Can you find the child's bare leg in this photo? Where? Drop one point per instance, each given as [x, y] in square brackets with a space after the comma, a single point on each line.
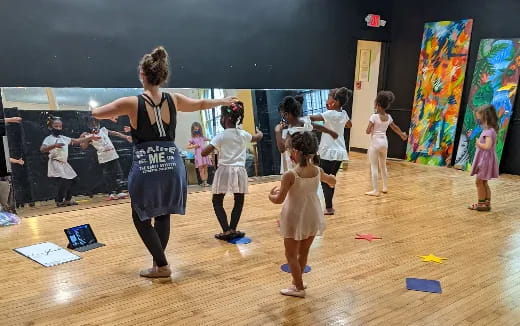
[488, 193]
[303, 252]
[202, 173]
[482, 193]
[291, 253]
[481, 190]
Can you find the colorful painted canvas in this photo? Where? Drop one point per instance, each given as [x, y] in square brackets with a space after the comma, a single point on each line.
[495, 81]
[438, 90]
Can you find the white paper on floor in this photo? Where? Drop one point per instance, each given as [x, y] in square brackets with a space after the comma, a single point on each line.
[47, 254]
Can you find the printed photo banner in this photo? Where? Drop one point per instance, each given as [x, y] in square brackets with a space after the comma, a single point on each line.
[440, 81]
[495, 81]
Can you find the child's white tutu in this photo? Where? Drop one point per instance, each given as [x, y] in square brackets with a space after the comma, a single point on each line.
[230, 180]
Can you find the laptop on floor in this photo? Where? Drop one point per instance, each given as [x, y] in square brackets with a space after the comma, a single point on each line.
[82, 238]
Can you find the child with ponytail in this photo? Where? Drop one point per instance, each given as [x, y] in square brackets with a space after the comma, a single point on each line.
[231, 175]
[302, 215]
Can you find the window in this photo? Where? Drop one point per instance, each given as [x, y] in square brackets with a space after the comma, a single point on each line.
[314, 101]
[211, 118]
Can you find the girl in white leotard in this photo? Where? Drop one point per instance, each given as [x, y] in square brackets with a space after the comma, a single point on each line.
[377, 126]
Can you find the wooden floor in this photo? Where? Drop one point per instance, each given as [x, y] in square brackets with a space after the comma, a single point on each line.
[352, 282]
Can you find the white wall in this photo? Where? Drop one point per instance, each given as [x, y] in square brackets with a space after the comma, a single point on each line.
[363, 102]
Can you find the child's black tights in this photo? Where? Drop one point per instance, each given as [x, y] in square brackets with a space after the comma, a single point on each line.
[218, 206]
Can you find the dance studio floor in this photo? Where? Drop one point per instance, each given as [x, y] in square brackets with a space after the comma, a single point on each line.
[352, 282]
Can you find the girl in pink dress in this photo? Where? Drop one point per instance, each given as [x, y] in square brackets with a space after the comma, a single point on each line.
[485, 163]
[198, 142]
[302, 215]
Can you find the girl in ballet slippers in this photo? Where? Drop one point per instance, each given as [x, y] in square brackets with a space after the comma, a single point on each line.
[302, 216]
[231, 175]
[377, 126]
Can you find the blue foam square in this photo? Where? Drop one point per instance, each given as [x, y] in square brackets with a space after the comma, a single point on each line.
[287, 269]
[417, 284]
[244, 240]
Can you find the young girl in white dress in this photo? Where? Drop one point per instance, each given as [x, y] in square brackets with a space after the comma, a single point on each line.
[291, 110]
[377, 126]
[59, 168]
[302, 215]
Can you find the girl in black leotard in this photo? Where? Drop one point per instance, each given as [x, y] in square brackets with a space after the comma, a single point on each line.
[157, 180]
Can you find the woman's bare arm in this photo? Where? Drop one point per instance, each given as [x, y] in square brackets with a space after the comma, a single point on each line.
[117, 108]
[186, 104]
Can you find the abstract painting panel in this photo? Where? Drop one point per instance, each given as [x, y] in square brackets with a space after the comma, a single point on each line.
[439, 85]
[495, 81]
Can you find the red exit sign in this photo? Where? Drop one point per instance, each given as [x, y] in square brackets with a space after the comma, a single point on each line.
[375, 21]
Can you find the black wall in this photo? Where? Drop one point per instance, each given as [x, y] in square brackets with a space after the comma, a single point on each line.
[221, 44]
[492, 19]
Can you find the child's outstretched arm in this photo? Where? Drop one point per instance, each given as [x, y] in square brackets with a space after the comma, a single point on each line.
[207, 150]
[13, 120]
[257, 137]
[16, 161]
[120, 135]
[316, 117]
[191, 146]
[278, 194]
[325, 130]
[84, 145]
[327, 178]
[398, 131]
[86, 139]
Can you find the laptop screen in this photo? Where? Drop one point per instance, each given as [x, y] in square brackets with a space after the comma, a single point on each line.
[80, 236]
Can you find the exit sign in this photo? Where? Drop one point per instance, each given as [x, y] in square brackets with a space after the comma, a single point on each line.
[375, 21]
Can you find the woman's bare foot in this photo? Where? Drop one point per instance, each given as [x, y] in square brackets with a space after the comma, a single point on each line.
[385, 190]
[372, 193]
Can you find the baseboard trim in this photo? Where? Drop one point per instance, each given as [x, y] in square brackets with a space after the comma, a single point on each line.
[358, 150]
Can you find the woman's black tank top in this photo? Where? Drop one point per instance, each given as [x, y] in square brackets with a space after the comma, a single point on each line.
[160, 130]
